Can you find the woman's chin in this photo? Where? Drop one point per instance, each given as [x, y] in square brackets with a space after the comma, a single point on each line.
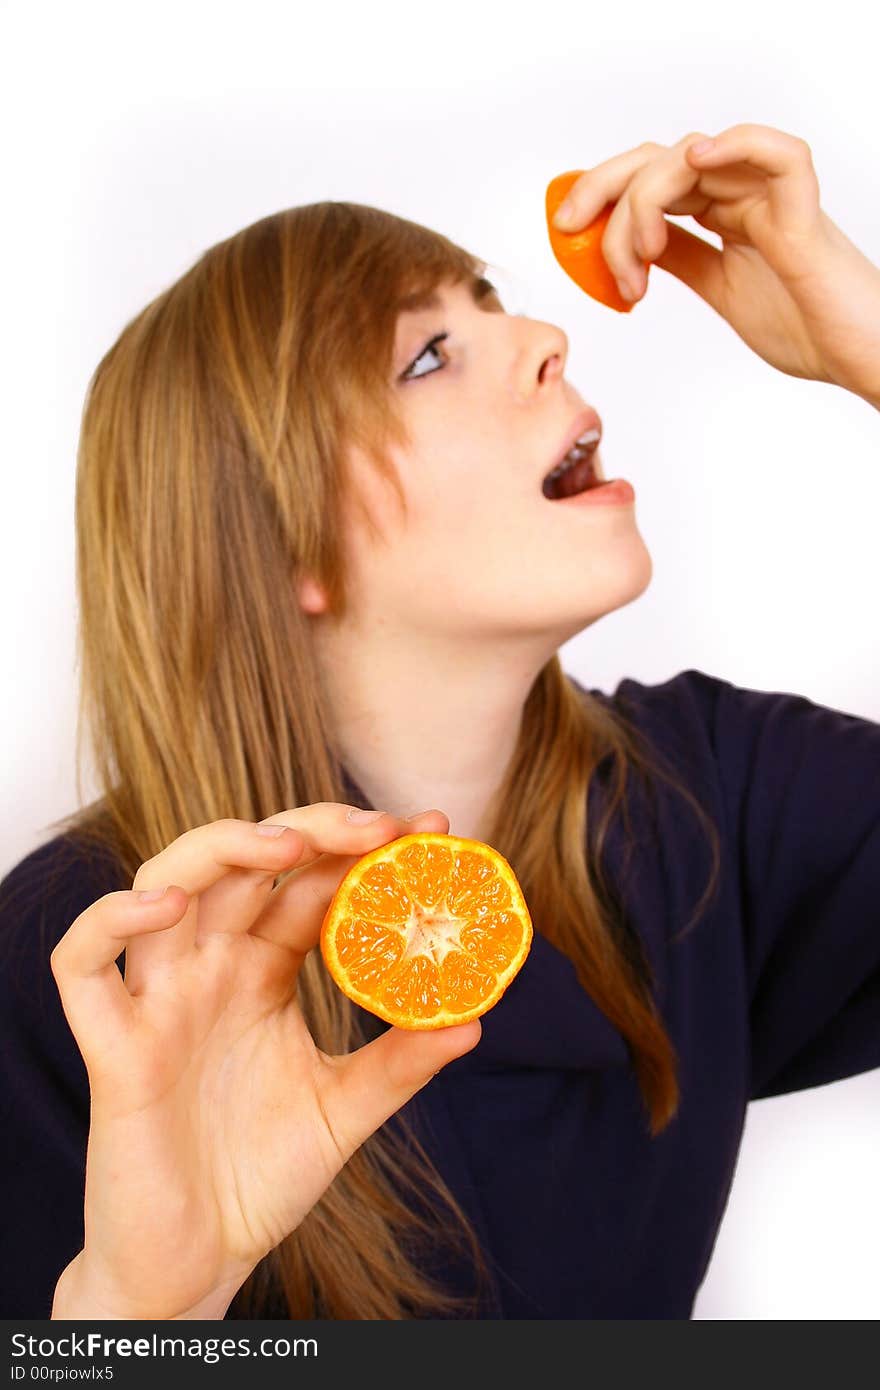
[617, 588]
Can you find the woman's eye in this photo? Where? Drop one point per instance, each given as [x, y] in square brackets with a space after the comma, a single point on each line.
[410, 373]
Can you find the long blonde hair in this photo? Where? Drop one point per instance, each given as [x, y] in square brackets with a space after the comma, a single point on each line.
[210, 472]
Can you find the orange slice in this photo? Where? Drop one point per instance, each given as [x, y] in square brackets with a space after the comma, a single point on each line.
[580, 253]
[427, 930]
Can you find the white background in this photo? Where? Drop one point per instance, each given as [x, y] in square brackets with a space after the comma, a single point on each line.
[134, 138]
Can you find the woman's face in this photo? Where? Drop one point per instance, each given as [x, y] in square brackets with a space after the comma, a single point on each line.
[483, 552]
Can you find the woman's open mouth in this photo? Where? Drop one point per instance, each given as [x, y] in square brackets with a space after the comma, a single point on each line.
[577, 472]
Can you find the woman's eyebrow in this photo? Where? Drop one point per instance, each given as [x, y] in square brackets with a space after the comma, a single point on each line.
[482, 288]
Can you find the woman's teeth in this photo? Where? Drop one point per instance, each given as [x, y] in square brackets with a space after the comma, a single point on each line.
[578, 450]
[591, 437]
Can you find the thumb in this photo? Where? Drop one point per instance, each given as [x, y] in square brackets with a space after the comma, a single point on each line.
[695, 262]
[384, 1074]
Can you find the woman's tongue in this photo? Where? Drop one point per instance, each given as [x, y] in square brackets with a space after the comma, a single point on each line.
[575, 479]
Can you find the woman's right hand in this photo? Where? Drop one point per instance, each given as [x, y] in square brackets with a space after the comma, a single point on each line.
[216, 1122]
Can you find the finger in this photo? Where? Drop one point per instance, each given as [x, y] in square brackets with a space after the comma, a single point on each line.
[775, 152]
[637, 229]
[296, 909]
[639, 183]
[228, 868]
[602, 184]
[786, 160]
[198, 860]
[696, 263]
[361, 1091]
[96, 1002]
[326, 829]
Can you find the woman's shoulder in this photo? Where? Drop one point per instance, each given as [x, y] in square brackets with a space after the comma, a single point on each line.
[747, 751]
[688, 694]
[731, 723]
[694, 693]
[676, 718]
[45, 890]
[65, 863]
[794, 786]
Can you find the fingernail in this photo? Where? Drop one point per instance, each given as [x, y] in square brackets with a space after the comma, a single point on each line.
[419, 813]
[151, 894]
[701, 147]
[564, 215]
[626, 290]
[359, 817]
[273, 830]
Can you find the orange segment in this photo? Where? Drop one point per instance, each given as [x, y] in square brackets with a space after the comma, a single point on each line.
[580, 253]
[427, 930]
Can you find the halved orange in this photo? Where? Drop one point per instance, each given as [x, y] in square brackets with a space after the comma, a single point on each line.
[427, 930]
[580, 253]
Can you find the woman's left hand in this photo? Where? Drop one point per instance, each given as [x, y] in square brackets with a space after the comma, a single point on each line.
[787, 280]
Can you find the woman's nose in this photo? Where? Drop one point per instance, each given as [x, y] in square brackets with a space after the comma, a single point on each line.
[541, 359]
[552, 367]
[548, 351]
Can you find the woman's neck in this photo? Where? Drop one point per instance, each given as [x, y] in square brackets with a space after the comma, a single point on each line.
[419, 729]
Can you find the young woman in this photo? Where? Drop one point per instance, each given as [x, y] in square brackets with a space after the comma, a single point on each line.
[317, 570]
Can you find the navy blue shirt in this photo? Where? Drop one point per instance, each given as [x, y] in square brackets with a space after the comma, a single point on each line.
[540, 1131]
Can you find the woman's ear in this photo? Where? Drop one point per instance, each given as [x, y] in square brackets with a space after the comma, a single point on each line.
[312, 596]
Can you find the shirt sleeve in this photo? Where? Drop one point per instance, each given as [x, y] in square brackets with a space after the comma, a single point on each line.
[44, 1109]
[800, 784]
